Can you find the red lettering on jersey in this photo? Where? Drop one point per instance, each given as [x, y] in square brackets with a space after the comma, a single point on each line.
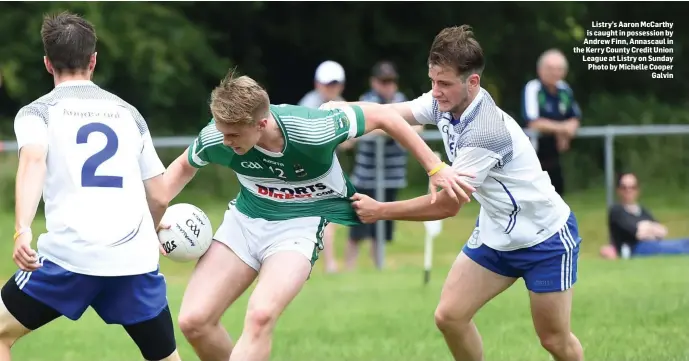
[274, 193]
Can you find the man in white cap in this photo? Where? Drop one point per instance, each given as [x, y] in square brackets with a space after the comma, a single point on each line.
[328, 86]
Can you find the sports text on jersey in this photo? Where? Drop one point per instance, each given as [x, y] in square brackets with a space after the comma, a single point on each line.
[89, 114]
[309, 191]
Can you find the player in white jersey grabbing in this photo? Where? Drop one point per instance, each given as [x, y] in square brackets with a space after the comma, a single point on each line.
[91, 156]
[524, 229]
[291, 187]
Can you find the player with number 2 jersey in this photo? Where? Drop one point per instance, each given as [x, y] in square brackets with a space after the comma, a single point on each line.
[90, 155]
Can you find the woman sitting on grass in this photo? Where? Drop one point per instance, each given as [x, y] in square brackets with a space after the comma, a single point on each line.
[633, 230]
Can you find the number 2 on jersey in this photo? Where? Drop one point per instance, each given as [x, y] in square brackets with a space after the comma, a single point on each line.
[88, 170]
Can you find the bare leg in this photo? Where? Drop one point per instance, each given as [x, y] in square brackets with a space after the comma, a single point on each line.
[468, 287]
[352, 254]
[10, 331]
[281, 278]
[551, 313]
[329, 248]
[219, 279]
[374, 250]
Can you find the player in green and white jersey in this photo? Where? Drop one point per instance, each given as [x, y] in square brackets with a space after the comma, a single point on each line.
[292, 185]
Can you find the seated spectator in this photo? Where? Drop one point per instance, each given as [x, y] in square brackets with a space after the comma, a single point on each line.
[633, 229]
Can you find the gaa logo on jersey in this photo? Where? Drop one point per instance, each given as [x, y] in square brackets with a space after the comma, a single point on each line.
[251, 165]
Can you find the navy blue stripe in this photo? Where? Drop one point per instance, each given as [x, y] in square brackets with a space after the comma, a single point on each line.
[513, 216]
[129, 236]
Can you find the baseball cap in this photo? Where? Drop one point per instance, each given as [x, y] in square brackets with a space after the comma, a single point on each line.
[384, 70]
[329, 72]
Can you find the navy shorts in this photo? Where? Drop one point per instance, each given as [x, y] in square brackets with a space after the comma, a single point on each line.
[123, 300]
[550, 266]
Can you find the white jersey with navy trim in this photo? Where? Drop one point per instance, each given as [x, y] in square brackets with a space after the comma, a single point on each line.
[99, 151]
[519, 205]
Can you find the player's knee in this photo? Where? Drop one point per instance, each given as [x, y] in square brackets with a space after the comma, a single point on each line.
[194, 324]
[155, 337]
[10, 331]
[6, 339]
[555, 342]
[450, 318]
[260, 319]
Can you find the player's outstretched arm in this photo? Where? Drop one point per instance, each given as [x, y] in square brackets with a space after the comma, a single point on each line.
[404, 109]
[178, 175]
[380, 117]
[416, 209]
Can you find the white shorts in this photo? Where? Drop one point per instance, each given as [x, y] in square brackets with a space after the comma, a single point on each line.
[253, 240]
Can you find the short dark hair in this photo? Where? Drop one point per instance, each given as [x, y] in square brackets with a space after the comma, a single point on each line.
[457, 48]
[621, 175]
[68, 41]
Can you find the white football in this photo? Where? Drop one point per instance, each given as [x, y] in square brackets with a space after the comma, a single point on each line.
[190, 233]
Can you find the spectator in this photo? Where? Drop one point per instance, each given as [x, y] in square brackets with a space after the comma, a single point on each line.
[549, 107]
[633, 230]
[384, 91]
[329, 83]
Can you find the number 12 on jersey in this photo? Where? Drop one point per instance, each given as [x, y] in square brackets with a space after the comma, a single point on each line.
[279, 172]
[88, 170]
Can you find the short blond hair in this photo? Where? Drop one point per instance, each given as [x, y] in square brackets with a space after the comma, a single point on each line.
[239, 100]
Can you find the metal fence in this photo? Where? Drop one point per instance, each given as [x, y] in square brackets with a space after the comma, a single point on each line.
[608, 133]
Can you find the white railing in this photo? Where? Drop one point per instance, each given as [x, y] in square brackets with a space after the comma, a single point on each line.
[608, 133]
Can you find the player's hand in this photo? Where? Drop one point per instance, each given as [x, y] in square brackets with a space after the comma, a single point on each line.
[563, 143]
[25, 257]
[160, 246]
[451, 180]
[367, 208]
[570, 127]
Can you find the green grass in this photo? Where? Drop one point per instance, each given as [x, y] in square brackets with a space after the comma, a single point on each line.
[628, 310]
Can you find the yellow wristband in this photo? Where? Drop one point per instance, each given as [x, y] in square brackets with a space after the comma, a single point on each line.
[20, 232]
[437, 169]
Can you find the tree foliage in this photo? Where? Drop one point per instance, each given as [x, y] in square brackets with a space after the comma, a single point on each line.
[165, 58]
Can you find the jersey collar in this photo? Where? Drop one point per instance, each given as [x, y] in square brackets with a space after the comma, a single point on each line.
[469, 110]
[284, 135]
[74, 83]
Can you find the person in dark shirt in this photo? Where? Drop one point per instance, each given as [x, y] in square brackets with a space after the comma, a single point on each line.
[633, 229]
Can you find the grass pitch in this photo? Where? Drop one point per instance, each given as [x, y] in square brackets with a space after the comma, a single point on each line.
[627, 310]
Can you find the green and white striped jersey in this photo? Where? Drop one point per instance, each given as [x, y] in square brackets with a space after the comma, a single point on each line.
[305, 179]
